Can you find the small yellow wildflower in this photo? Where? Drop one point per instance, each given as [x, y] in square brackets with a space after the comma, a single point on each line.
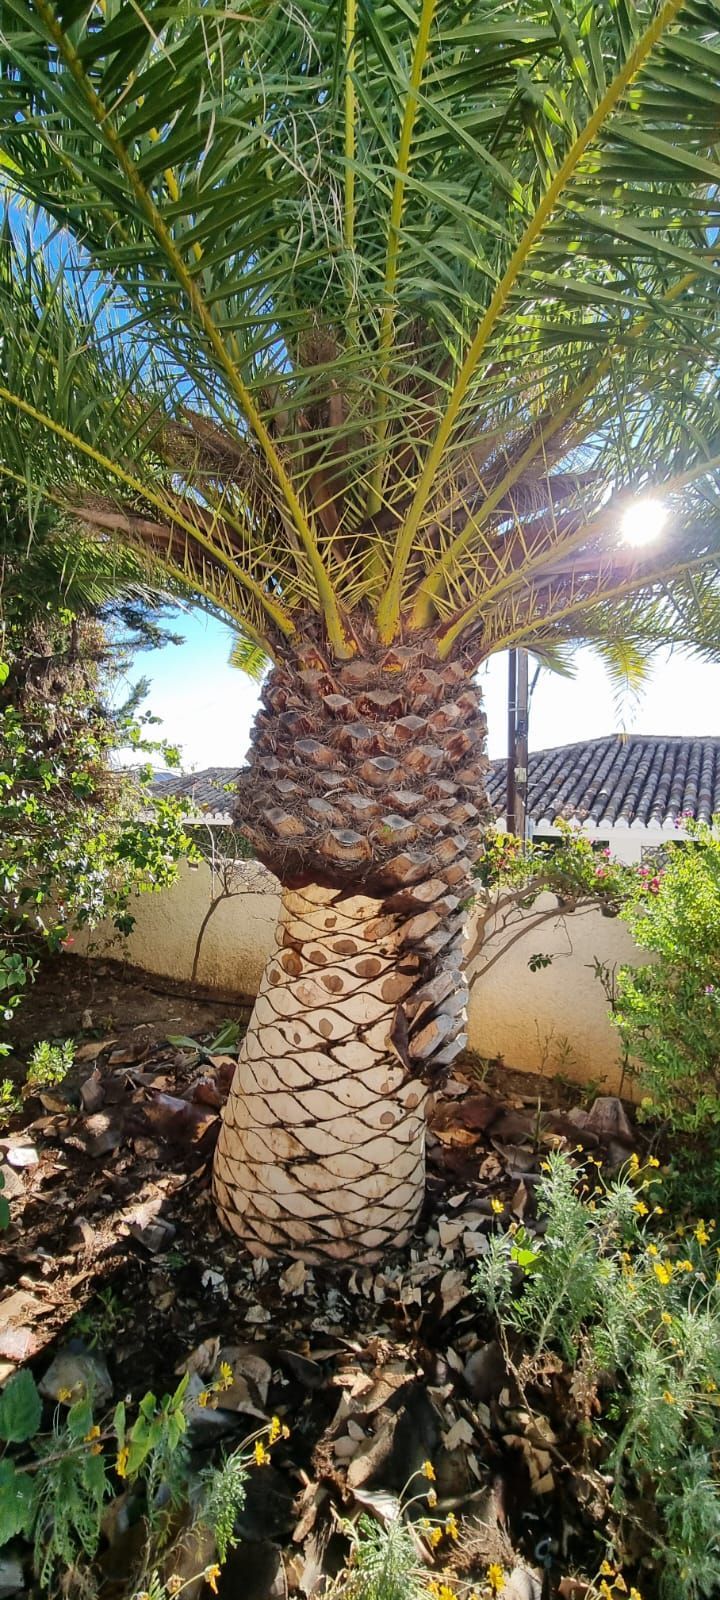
[446, 1593]
[91, 1438]
[203, 1398]
[275, 1430]
[641, 1208]
[428, 1471]
[666, 1318]
[433, 1588]
[262, 1456]
[435, 1537]
[65, 1395]
[606, 1571]
[620, 1583]
[496, 1578]
[663, 1271]
[658, 1211]
[424, 1524]
[635, 1594]
[225, 1378]
[684, 1266]
[605, 1590]
[653, 1161]
[710, 1386]
[498, 1206]
[652, 1250]
[451, 1527]
[174, 1583]
[121, 1464]
[681, 1230]
[211, 1575]
[668, 1397]
[431, 1497]
[701, 1233]
[634, 1163]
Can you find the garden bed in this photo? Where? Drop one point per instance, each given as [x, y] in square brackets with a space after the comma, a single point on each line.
[114, 1253]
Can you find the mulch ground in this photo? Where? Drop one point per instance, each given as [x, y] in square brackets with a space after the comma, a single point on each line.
[114, 1249]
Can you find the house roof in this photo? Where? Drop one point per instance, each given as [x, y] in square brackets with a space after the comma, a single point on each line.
[637, 780]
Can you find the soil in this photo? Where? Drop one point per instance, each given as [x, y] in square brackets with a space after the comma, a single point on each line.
[114, 1249]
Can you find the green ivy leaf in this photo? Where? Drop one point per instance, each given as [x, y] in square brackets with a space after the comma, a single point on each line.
[20, 1408]
[17, 1504]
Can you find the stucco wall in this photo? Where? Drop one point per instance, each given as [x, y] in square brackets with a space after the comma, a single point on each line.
[548, 1021]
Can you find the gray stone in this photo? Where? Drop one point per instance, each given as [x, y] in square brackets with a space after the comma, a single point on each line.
[78, 1374]
[11, 1576]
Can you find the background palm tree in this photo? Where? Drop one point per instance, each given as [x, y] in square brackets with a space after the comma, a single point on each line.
[370, 320]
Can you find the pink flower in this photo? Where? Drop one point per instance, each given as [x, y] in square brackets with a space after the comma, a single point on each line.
[600, 872]
[67, 942]
[654, 886]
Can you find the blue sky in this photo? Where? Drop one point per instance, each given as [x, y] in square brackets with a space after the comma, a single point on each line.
[207, 707]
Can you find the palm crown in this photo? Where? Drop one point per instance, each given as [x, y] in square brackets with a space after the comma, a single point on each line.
[373, 309]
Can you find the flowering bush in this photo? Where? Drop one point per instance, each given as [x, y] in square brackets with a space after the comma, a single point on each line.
[569, 867]
[634, 1309]
[668, 1012]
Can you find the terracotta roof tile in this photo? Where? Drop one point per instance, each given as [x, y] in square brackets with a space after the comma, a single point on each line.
[633, 780]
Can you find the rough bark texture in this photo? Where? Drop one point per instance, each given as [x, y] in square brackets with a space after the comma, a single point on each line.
[365, 797]
[322, 1146]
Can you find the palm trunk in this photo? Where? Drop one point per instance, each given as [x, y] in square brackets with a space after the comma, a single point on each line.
[370, 821]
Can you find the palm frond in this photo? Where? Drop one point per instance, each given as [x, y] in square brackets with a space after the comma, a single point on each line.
[374, 312]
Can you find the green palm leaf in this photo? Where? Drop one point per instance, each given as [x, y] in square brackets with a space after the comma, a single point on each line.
[380, 312]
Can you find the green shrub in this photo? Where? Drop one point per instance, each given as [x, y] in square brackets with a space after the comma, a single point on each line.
[49, 1064]
[621, 1299]
[668, 1012]
[55, 1485]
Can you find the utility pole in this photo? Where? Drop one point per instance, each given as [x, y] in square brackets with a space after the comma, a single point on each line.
[517, 766]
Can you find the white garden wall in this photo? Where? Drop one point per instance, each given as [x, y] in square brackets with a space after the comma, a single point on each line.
[548, 1021]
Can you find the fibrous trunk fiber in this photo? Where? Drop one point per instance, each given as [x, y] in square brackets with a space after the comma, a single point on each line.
[365, 797]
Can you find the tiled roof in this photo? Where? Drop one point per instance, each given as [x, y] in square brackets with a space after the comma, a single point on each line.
[207, 790]
[639, 779]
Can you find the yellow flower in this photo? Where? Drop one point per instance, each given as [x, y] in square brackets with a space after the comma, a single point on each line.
[262, 1456]
[451, 1526]
[428, 1471]
[668, 1398]
[658, 1211]
[634, 1163]
[424, 1523]
[446, 1593]
[275, 1430]
[652, 1249]
[606, 1571]
[65, 1395]
[225, 1378]
[620, 1583]
[663, 1271]
[710, 1386]
[91, 1438]
[203, 1397]
[174, 1583]
[641, 1208]
[666, 1318]
[122, 1462]
[685, 1266]
[435, 1537]
[431, 1497]
[635, 1594]
[496, 1578]
[211, 1575]
[605, 1590]
[701, 1233]
[653, 1162]
[498, 1206]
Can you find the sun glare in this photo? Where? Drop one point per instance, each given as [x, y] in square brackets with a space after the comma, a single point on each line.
[644, 521]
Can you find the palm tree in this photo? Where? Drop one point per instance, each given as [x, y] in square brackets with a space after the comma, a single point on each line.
[370, 320]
